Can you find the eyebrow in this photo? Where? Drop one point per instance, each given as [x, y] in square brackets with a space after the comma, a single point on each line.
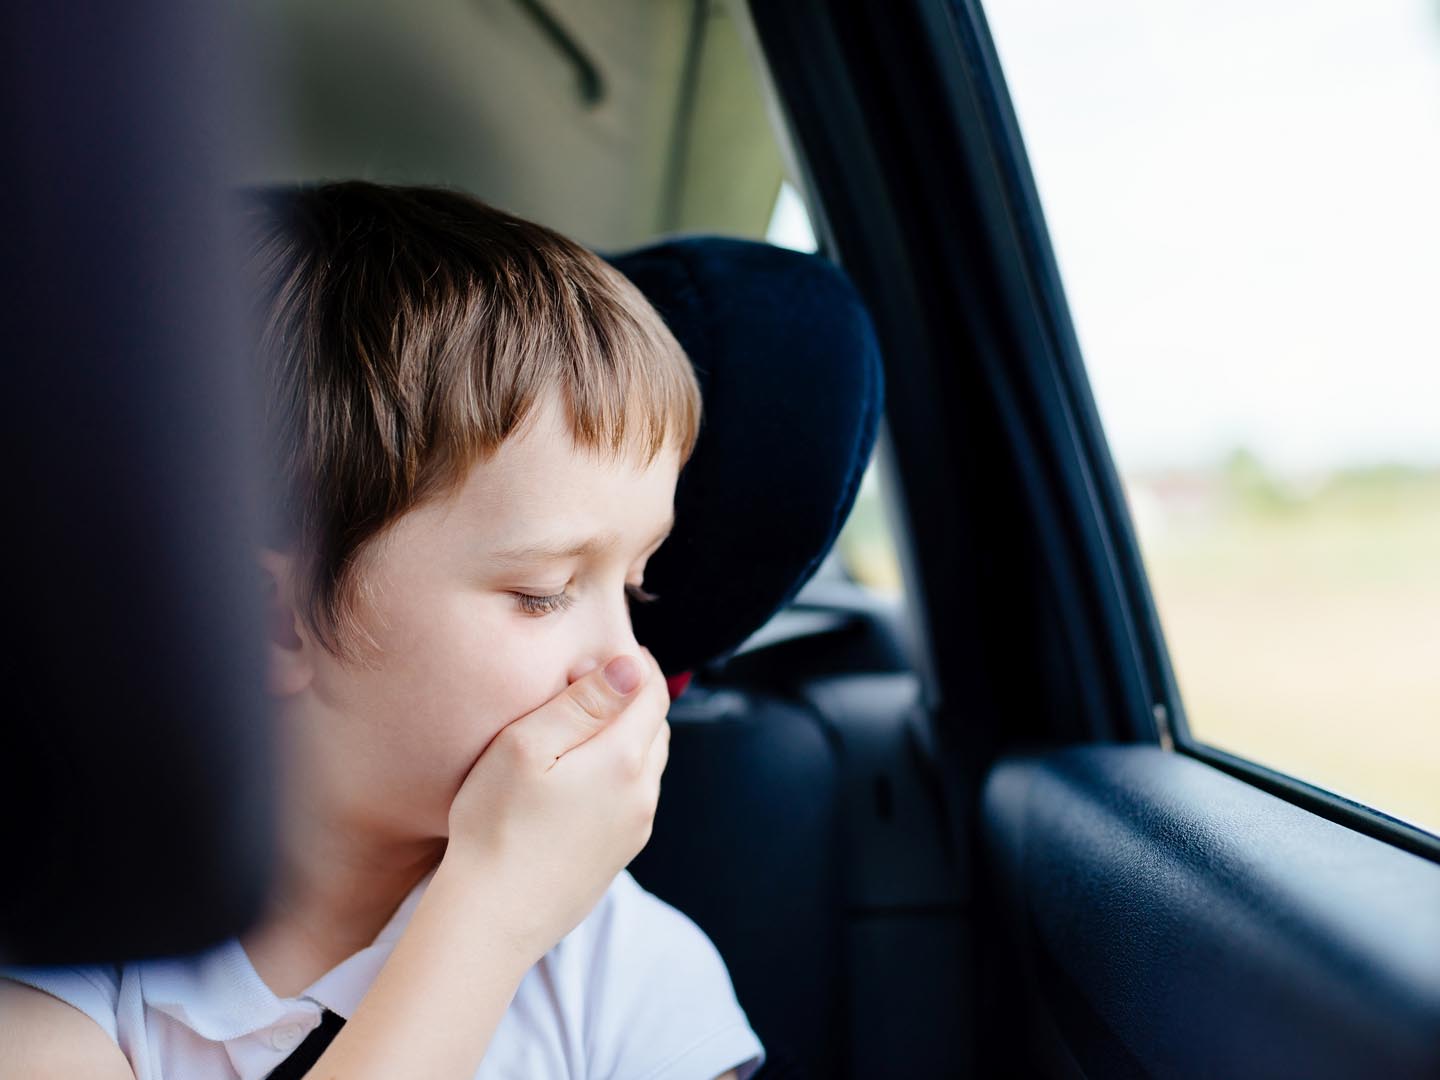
[574, 549]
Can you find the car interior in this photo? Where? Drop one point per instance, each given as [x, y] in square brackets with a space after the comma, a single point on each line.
[952, 829]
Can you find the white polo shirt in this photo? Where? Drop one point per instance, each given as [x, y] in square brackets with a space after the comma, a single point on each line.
[636, 991]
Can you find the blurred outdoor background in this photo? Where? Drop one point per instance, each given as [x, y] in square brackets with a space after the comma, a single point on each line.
[1244, 199]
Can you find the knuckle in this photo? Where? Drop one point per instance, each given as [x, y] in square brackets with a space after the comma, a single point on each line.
[524, 749]
[632, 764]
[583, 718]
[586, 702]
[641, 817]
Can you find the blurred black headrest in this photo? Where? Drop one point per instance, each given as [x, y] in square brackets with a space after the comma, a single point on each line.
[793, 391]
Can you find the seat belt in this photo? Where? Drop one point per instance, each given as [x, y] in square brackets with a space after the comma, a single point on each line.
[308, 1052]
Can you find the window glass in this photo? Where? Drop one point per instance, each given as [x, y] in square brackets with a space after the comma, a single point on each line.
[866, 545]
[1244, 201]
[790, 222]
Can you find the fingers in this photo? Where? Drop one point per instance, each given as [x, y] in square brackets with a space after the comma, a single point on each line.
[628, 736]
[658, 756]
[659, 750]
[585, 707]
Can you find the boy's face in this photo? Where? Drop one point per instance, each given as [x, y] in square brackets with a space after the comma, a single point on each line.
[463, 649]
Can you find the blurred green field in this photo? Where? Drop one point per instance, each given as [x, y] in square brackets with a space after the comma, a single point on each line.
[1303, 619]
[1304, 626]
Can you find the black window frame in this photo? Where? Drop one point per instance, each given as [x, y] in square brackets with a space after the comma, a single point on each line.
[963, 285]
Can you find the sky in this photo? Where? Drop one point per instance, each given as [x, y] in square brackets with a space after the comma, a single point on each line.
[1244, 200]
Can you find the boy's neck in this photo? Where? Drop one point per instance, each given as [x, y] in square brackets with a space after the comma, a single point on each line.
[329, 902]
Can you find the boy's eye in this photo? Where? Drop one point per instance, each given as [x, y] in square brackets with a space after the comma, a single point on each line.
[639, 595]
[545, 605]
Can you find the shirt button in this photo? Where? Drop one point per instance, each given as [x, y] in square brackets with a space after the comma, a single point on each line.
[287, 1036]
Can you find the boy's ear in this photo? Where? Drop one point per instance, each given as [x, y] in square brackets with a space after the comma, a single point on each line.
[289, 652]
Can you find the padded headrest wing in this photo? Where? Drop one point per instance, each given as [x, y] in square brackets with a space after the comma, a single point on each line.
[793, 390]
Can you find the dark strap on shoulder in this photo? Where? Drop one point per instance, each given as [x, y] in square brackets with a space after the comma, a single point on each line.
[308, 1052]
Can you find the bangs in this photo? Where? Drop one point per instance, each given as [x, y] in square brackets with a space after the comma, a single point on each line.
[628, 387]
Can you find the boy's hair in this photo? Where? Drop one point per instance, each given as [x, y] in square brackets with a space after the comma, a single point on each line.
[407, 332]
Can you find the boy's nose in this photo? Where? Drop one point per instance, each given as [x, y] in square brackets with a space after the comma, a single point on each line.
[613, 635]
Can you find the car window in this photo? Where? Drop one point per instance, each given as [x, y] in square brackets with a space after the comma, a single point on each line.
[1243, 203]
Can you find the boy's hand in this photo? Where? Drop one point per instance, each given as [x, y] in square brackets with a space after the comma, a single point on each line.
[563, 799]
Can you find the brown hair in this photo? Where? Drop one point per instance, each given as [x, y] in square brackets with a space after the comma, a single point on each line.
[406, 333]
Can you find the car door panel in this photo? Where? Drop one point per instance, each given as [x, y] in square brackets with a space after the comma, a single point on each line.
[1176, 921]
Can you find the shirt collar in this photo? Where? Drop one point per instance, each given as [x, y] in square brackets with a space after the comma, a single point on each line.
[341, 988]
[220, 996]
[217, 994]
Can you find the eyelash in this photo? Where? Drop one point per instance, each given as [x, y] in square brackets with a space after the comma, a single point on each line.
[546, 605]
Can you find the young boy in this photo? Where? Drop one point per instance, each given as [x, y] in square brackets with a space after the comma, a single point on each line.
[478, 426]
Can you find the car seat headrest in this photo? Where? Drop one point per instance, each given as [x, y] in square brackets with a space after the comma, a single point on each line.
[790, 373]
